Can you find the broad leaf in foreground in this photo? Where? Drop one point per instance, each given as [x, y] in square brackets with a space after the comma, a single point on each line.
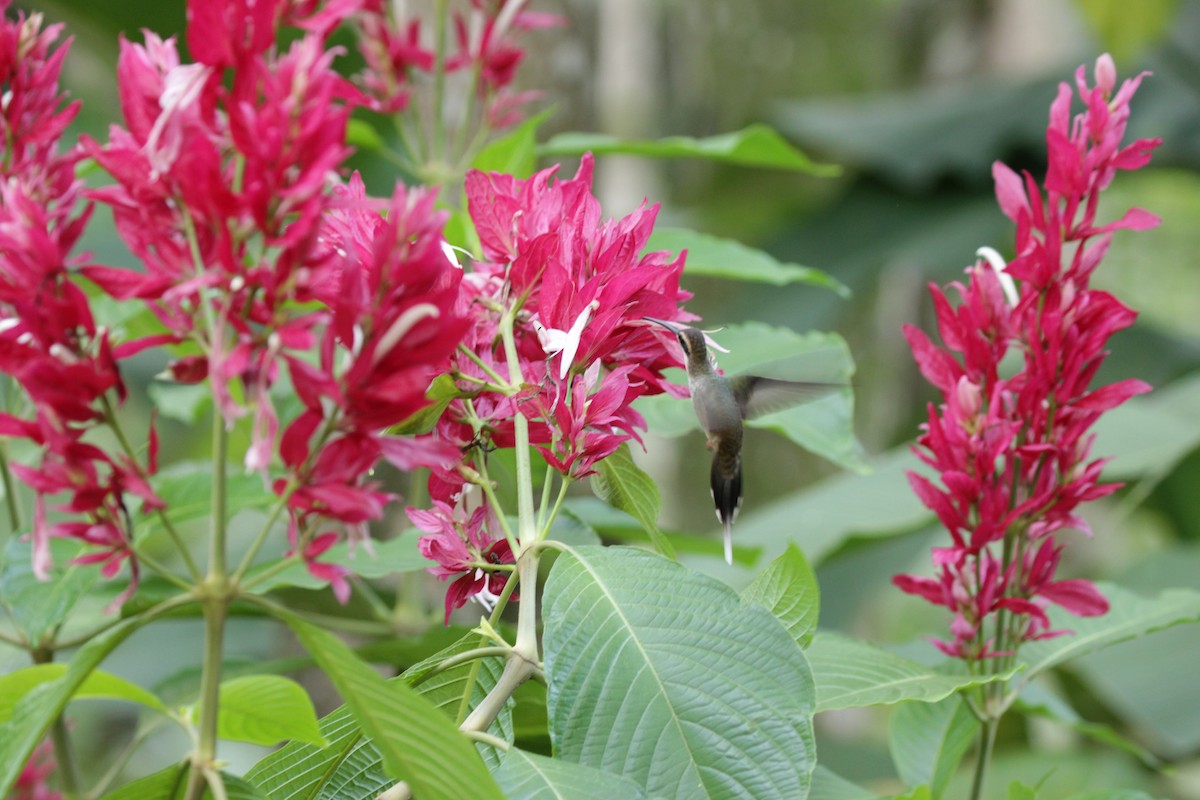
[533, 777]
[171, 784]
[788, 589]
[350, 767]
[663, 675]
[98, 684]
[416, 741]
[853, 674]
[623, 485]
[928, 740]
[266, 710]
[33, 713]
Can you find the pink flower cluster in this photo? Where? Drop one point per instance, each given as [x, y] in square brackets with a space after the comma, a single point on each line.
[394, 50]
[1012, 451]
[257, 257]
[582, 289]
[49, 342]
[32, 782]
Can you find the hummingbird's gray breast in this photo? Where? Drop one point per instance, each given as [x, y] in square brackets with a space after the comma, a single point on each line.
[715, 405]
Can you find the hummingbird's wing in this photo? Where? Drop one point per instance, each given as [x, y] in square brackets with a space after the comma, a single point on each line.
[757, 396]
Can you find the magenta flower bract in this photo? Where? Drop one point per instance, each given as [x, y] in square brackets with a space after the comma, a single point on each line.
[1012, 451]
[49, 341]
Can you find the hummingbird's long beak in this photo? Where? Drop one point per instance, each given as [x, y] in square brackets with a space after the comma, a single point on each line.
[669, 326]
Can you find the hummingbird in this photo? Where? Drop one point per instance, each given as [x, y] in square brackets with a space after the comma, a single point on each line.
[722, 404]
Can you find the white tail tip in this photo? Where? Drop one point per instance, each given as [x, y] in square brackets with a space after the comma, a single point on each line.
[729, 544]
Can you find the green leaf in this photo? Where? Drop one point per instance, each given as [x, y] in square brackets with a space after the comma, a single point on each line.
[33, 712]
[441, 392]
[98, 684]
[1038, 700]
[1113, 794]
[35, 606]
[534, 777]
[266, 710]
[754, 146]
[351, 766]
[362, 136]
[714, 257]
[663, 675]
[853, 674]
[613, 523]
[842, 506]
[823, 427]
[788, 589]
[417, 742]
[186, 488]
[396, 555]
[828, 785]
[1019, 791]
[171, 783]
[1129, 615]
[622, 484]
[185, 402]
[1127, 30]
[928, 740]
[515, 153]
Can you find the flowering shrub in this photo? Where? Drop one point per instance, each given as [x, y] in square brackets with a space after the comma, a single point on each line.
[1012, 448]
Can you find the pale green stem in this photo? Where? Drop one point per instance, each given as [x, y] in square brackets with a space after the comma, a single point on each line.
[549, 523]
[462, 658]
[67, 766]
[544, 505]
[488, 739]
[486, 367]
[987, 741]
[438, 143]
[10, 493]
[527, 527]
[216, 594]
[263, 534]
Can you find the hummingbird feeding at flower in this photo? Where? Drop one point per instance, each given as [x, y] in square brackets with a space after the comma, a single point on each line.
[722, 403]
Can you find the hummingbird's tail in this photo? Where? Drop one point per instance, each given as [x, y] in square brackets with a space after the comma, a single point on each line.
[727, 497]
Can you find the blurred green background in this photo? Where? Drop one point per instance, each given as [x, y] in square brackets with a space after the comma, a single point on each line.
[915, 99]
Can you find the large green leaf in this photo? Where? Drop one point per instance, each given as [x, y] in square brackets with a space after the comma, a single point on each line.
[852, 674]
[36, 710]
[823, 426]
[714, 257]
[98, 684]
[533, 777]
[350, 766]
[788, 589]
[754, 146]
[1036, 699]
[266, 709]
[416, 742]
[1129, 615]
[396, 555]
[663, 675]
[828, 785]
[928, 740]
[186, 488]
[623, 485]
[36, 606]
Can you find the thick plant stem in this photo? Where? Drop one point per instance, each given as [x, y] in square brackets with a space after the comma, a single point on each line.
[215, 592]
[66, 765]
[987, 741]
[215, 611]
